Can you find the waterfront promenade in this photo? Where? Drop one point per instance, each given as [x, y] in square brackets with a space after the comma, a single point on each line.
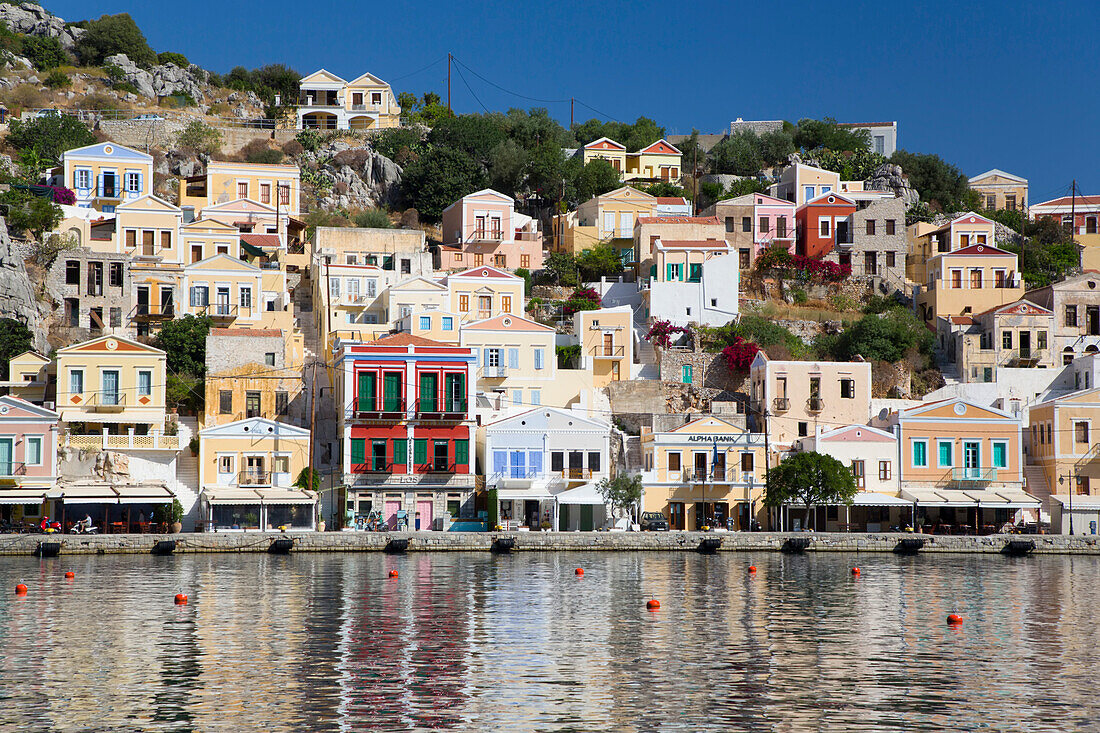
[240, 542]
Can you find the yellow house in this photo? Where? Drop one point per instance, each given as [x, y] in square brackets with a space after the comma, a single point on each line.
[203, 238]
[928, 240]
[607, 343]
[148, 228]
[28, 375]
[485, 292]
[325, 101]
[706, 472]
[796, 397]
[115, 386]
[606, 149]
[1000, 190]
[968, 281]
[236, 294]
[274, 185]
[1064, 445]
[104, 175]
[247, 470]
[801, 183]
[607, 218]
[659, 161]
[254, 390]
[436, 325]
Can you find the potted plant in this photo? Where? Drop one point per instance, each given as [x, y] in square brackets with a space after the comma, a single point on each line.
[194, 445]
[170, 515]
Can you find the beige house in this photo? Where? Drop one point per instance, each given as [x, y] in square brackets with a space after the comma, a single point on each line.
[706, 472]
[516, 365]
[236, 294]
[104, 175]
[1000, 190]
[607, 218]
[607, 343]
[327, 102]
[648, 229]
[28, 376]
[970, 280]
[1075, 303]
[1017, 335]
[484, 292]
[796, 397]
[800, 183]
[274, 185]
[1067, 448]
[927, 240]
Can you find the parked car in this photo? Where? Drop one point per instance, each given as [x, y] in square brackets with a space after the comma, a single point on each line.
[148, 118]
[654, 522]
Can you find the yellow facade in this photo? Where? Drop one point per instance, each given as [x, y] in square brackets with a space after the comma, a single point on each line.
[254, 390]
[28, 375]
[104, 175]
[516, 363]
[1000, 190]
[485, 292]
[683, 480]
[274, 185]
[436, 325]
[1063, 442]
[326, 101]
[659, 161]
[969, 281]
[928, 240]
[608, 218]
[236, 294]
[149, 228]
[607, 343]
[111, 381]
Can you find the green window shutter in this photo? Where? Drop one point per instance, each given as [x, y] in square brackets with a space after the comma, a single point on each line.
[920, 454]
[427, 392]
[685, 374]
[1000, 455]
[462, 452]
[391, 391]
[455, 397]
[358, 451]
[400, 452]
[670, 272]
[420, 451]
[653, 271]
[696, 272]
[945, 454]
[366, 391]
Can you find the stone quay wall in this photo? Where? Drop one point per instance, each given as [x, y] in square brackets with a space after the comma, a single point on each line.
[541, 542]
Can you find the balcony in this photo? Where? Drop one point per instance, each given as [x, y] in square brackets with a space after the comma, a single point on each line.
[574, 473]
[494, 372]
[10, 470]
[106, 402]
[781, 404]
[973, 475]
[223, 312]
[104, 441]
[391, 408]
[530, 236]
[254, 477]
[607, 352]
[485, 235]
[815, 404]
[355, 300]
[1024, 358]
[153, 311]
[451, 409]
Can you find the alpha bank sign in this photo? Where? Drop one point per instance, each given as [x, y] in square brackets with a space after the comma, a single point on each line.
[742, 438]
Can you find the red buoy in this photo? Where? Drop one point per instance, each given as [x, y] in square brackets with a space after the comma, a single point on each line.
[181, 599]
[393, 573]
[653, 605]
[752, 569]
[20, 589]
[579, 571]
[954, 619]
[70, 574]
[855, 571]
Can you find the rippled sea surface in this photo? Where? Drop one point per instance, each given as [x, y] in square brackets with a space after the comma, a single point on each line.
[476, 642]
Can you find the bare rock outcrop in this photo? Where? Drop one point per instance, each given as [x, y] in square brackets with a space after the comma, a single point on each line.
[163, 80]
[361, 176]
[33, 20]
[890, 177]
[17, 299]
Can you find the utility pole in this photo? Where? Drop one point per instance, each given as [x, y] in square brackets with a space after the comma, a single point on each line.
[312, 425]
[1073, 219]
[571, 113]
[449, 57]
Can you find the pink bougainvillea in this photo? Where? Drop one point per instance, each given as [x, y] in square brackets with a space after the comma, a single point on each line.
[740, 353]
[807, 269]
[661, 332]
[62, 195]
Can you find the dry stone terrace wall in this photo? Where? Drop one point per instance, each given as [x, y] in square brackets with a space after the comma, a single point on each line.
[543, 542]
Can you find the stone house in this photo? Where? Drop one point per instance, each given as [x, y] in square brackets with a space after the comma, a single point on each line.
[94, 291]
[877, 245]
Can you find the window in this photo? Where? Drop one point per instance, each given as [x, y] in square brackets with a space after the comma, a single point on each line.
[265, 193]
[945, 449]
[1081, 432]
[462, 452]
[824, 226]
[731, 224]
[920, 454]
[956, 279]
[376, 98]
[870, 227]
[538, 358]
[269, 358]
[282, 402]
[594, 461]
[280, 464]
[72, 272]
[82, 178]
[1010, 201]
[225, 464]
[500, 260]
[674, 461]
[116, 317]
[1071, 315]
[439, 455]
[1006, 340]
[251, 404]
[484, 304]
[808, 192]
[358, 451]
[133, 183]
[225, 402]
[1041, 339]
[1000, 455]
[448, 323]
[33, 451]
[746, 223]
[95, 278]
[890, 261]
[145, 383]
[826, 189]
[506, 303]
[747, 460]
[479, 259]
[685, 374]
[803, 429]
[743, 258]
[858, 470]
[242, 189]
[1082, 485]
[525, 261]
[425, 323]
[536, 397]
[848, 389]
[200, 296]
[284, 194]
[517, 396]
[114, 275]
[513, 358]
[464, 303]
[76, 381]
[891, 226]
[781, 227]
[884, 470]
[764, 225]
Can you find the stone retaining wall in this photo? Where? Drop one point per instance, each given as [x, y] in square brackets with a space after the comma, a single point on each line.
[540, 542]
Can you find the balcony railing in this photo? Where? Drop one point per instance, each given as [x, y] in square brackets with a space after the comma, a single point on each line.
[217, 311]
[150, 311]
[973, 475]
[129, 441]
[494, 372]
[781, 404]
[607, 351]
[448, 409]
[1024, 357]
[575, 473]
[10, 469]
[386, 408]
[815, 404]
[254, 477]
[106, 402]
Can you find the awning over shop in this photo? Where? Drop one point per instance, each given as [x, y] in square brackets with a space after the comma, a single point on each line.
[873, 498]
[585, 494]
[144, 495]
[1004, 499]
[230, 495]
[114, 494]
[89, 495]
[521, 494]
[1080, 503]
[21, 496]
[286, 496]
[925, 497]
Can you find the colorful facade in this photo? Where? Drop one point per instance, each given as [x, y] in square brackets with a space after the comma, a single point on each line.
[928, 240]
[327, 102]
[754, 222]
[484, 228]
[105, 175]
[970, 280]
[1064, 445]
[999, 190]
[824, 223]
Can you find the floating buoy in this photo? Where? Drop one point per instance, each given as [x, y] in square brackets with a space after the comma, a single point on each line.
[578, 571]
[954, 619]
[752, 569]
[70, 574]
[855, 571]
[393, 573]
[653, 605]
[21, 590]
[181, 599]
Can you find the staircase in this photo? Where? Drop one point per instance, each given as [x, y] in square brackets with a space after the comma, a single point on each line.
[186, 485]
[643, 350]
[1035, 483]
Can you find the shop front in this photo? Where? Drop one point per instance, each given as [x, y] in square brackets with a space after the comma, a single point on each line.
[243, 510]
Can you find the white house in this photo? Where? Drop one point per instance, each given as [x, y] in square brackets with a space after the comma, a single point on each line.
[693, 281]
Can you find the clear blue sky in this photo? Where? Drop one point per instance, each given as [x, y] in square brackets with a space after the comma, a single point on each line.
[1007, 85]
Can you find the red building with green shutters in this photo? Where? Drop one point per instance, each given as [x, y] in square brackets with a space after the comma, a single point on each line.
[406, 408]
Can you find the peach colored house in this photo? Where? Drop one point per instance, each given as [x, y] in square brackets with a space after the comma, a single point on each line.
[968, 281]
[1064, 444]
[28, 457]
[484, 228]
[962, 465]
[928, 240]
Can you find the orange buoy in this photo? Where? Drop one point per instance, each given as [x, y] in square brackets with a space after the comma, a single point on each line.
[752, 569]
[855, 571]
[70, 574]
[653, 605]
[181, 599]
[20, 589]
[954, 619]
[579, 571]
[393, 573]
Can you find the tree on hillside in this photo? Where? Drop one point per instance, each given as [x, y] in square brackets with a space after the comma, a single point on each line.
[776, 147]
[941, 185]
[635, 136]
[15, 338]
[812, 134]
[475, 135]
[507, 163]
[886, 336]
[811, 479]
[45, 52]
[113, 34]
[740, 155]
[427, 110]
[49, 136]
[596, 177]
[599, 261]
[438, 178]
[29, 213]
[184, 340]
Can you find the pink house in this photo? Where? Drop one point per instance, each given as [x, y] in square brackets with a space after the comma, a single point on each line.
[484, 228]
[28, 458]
[754, 222]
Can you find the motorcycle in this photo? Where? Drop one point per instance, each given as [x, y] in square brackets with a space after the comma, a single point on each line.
[84, 529]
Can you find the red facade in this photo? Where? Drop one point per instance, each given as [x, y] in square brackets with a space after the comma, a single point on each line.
[823, 223]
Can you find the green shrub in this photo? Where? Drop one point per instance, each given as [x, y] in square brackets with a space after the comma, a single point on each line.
[56, 79]
[310, 140]
[799, 296]
[114, 72]
[43, 52]
[113, 34]
[49, 136]
[200, 137]
[257, 151]
[526, 275]
[373, 219]
[171, 57]
[842, 302]
[125, 86]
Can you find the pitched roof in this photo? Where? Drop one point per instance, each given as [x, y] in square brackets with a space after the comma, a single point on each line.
[983, 250]
[994, 172]
[506, 323]
[695, 243]
[1021, 307]
[605, 143]
[252, 332]
[822, 199]
[109, 150]
[405, 339]
[486, 271]
[261, 240]
[669, 219]
[661, 147]
[675, 200]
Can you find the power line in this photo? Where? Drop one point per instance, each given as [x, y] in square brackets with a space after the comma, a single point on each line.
[509, 91]
[414, 73]
[602, 114]
[467, 85]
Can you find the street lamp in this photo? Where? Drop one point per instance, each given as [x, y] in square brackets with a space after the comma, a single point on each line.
[1061, 482]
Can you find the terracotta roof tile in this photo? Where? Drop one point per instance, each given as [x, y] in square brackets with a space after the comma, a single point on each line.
[405, 339]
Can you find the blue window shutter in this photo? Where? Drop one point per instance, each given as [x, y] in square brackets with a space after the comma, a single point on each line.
[141, 182]
[538, 358]
[487, 356]
[99, 185]
[534, 459]
[500, 461]
[513, 358]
